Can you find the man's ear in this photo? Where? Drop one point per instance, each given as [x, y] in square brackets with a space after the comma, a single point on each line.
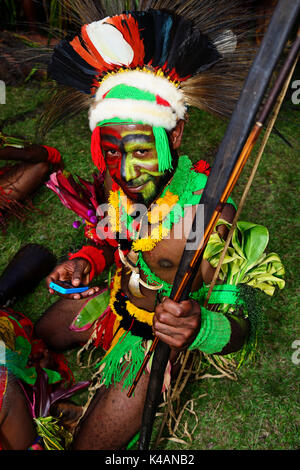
[176, 134]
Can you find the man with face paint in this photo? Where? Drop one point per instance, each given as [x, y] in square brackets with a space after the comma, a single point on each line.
[132, 163]
[137, 118]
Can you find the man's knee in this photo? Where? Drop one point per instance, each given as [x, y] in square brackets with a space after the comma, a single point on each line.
[42, 169]
[51, 333]
[54, 326]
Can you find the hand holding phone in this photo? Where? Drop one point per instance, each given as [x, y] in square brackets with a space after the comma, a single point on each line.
[65, 288]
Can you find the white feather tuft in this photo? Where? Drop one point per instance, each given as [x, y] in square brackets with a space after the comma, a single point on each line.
[110, 43]
[147, 112]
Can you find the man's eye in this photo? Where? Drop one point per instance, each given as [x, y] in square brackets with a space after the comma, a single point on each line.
[141, 152]
[112, 153]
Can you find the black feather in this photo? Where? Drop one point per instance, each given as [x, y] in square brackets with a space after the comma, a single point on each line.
[174, 42]
[162, 33]
[191, 50]
[69, 69]
[145, 23]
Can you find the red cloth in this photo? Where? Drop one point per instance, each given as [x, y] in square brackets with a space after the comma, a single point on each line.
[37, 345]
[53, 154]
[3, 384]
[95, 258]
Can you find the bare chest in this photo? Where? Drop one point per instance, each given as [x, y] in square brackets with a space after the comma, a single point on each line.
[164, 259]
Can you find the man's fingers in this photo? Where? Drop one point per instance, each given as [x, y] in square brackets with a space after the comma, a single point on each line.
[177, 337]
[175, 342]
[77, 273]
[170, 306]
[186, 306]
[71, 271]
[54, 276]
[84, 295]
[167, 318]
[57, 275]
[90, 292]
[182, 309]
[165, 328]
[174, 326]
[176, 323]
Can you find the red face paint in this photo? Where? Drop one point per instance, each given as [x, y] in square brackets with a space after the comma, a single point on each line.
[111, 148]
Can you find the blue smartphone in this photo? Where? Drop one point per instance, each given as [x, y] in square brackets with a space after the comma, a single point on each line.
[64, 287]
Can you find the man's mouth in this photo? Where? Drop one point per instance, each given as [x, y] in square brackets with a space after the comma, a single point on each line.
[135, 186]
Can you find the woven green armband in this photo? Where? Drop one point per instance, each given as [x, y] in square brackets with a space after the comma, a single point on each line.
[214, 333]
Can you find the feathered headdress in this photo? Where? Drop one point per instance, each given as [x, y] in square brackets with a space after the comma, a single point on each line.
[148, 64]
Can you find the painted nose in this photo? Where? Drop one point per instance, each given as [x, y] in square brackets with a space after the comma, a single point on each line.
[128, 169]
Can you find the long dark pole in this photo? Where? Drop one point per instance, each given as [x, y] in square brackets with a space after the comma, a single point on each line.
[229, 151]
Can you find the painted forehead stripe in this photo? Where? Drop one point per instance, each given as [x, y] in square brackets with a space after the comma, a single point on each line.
[137, 131]
[118, 139]
[137, 138]
[110, 132]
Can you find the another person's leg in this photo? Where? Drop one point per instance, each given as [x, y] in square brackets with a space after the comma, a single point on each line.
[22, 179]
[17, 430]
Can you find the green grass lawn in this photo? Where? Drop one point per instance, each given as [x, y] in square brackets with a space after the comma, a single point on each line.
[261, 409]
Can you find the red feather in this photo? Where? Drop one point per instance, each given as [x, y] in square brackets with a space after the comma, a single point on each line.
[96, 151]
[91, 60]
[128, 27]
[104, 331]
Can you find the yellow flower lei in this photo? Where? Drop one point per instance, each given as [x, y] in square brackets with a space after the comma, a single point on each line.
[155, 216]
[113, 211]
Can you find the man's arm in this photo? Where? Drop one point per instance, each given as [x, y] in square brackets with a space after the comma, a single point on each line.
[180, 324]
[33, 154]
[82, 267]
